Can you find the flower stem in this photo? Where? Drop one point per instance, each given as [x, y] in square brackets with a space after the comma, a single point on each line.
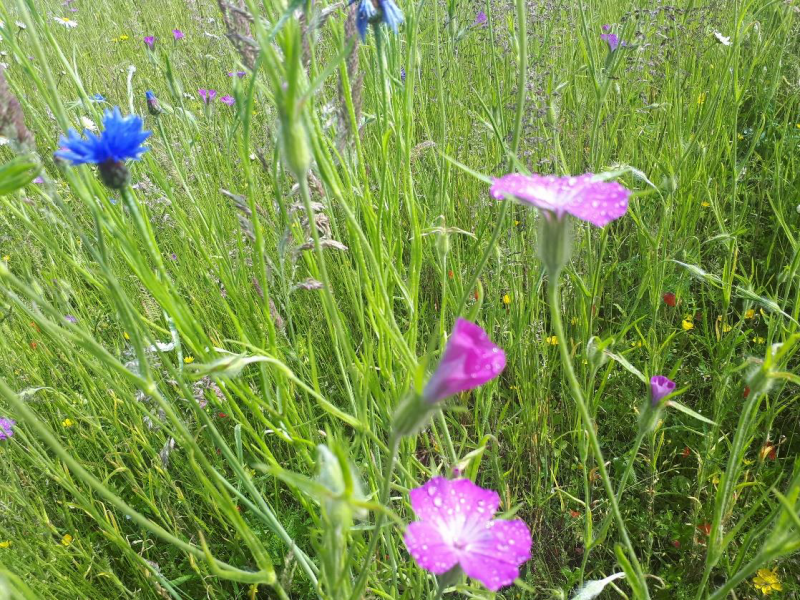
[394, 446]
[554, 299]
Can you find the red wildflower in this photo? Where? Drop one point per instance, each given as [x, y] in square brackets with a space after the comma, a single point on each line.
[574, 514]
[450, 274]
[746, 391]
[705, 528]
[222, 415]
[670, 299]
[676, 543]
[686, 452]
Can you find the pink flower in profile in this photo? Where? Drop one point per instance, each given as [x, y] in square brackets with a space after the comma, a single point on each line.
[480, 19]
[660, 387]
[229, 100]
[150, 41]
[457, 527]
[207, 95]
[6, 428]
[584, 197]
[470, 359]
[178, 34]
[611, 39]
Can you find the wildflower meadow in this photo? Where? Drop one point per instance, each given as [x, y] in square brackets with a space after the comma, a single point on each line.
[399, 299]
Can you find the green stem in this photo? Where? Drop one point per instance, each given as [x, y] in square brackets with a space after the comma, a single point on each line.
[394, 446]
[554, 298]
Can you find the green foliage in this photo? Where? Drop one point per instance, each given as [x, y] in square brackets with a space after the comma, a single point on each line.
[204, 370]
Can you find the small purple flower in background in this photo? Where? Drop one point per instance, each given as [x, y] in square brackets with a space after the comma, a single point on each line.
[229, 100]
[173, 256]
[207, 95]
[470, 359]
[39, 180]
[70, 318]
[585, 197]
[611, 39]
[457, 527]
[178, 34]
[606, 28]
[480, 19]
[403, 74]
[6, 428]
[238, 74]
[150, 41]
[660, 387]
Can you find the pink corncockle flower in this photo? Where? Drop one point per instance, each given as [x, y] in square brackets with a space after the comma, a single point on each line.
[585, 197]
[457, 527]
[150, 41]
[611, 39]
[470, 359]
[6, 428]
[229, 100]
[660, 387]
[207, 95]
[480, 19]
[178, 34]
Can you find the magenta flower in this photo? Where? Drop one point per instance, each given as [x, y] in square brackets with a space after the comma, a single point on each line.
[207, 95]
[660, 387]
[238, 74]
[480, 19]
[606, 28]
[229, 100]
[457, 527]
[150, 41]
[39, 180]
[584, 197]
[178, 34]
[470, 359]
[611, 39]
[6, 428]
[70, 318]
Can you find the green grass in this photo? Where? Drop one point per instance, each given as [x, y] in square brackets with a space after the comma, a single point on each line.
[203, 253]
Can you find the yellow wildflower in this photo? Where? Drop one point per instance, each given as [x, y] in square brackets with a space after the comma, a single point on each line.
[740, 136]
[687, 325]
[6, 544]
[123, 37]
[125, 335]
[506, 299]
[726, 328]
[758, 340]
[552, 340]
[189, 360]
[6, 258]
[68, 422]
[637, 344]
[705, 204]
[701, 98]
[574, 320]
[749, 314]
[66, 540]
[766, 581]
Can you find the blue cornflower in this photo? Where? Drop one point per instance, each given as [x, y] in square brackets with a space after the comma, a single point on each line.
[153, 105]
[97, 98]
[375, 11]
[120, 140]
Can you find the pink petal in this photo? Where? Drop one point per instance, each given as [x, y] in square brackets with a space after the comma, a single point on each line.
[494, 560]
[424, 542]
[470, 359]
[584, 197]
[444, 500]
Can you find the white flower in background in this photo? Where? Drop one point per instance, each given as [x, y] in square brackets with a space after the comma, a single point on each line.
[68, 23]
[20, 24]
[725, 41]
[88, 124]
